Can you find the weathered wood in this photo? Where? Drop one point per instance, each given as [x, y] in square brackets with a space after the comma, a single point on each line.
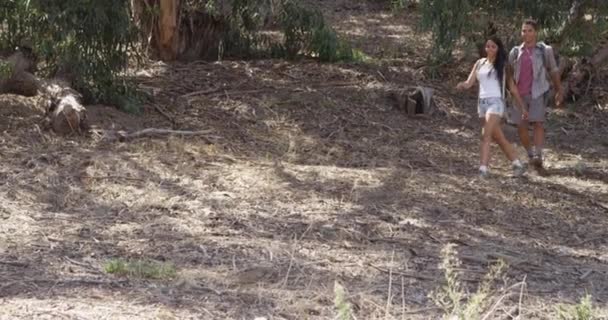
[22, 83]
[168, 29]
[413, 101]
[152, 132]
[65, 112]
[19, 79]
[177, 34]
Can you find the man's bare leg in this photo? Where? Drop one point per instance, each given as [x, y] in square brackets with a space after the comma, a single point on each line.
[524, 137]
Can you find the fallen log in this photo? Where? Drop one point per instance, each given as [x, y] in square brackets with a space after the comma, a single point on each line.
[64, 113]
[16, 76]
[123, 136]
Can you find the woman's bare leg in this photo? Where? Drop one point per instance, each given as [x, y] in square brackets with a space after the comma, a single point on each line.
[501, 140]
[489, 126]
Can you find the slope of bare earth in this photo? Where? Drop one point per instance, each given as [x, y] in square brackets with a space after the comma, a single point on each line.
[308, 177]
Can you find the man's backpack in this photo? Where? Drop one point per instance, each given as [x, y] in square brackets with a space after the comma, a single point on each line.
[542, 46]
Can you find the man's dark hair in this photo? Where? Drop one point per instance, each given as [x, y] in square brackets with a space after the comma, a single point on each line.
[532, 22]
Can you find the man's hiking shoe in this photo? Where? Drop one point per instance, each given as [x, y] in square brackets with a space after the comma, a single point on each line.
[518, 170]
[536, 162]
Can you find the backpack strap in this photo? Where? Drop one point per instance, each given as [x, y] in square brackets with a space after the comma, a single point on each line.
[514, 55]
[480, 62]
[540, 45]
[504, 83]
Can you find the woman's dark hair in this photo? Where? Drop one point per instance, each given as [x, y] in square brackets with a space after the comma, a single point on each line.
[500, 62]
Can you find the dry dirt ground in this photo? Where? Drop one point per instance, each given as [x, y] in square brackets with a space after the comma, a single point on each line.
[307, 178]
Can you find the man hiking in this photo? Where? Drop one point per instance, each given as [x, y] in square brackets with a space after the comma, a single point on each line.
[531, 64]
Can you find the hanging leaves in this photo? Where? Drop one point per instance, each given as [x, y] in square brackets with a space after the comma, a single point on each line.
[452, 20]
[85, 41]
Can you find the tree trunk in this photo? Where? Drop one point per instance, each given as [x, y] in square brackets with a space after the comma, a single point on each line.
[178, 34]
[167, 32]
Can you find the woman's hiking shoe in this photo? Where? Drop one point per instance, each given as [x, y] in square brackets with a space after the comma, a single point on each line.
[518, 170]
[484, 174]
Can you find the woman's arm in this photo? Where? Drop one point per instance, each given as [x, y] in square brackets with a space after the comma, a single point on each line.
[471, 80]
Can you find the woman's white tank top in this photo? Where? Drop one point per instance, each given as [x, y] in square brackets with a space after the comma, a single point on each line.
[487, 76]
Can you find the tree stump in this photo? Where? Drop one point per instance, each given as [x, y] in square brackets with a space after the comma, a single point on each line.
[414, 101]
[65, 111]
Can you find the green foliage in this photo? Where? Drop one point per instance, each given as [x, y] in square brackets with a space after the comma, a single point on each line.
[326, 44]
[304, 30]
[86, 41]
[398, 4]
[446, 19]
[478, 302]
[6, 70]
[581, 39]
[300, 26]
[453, 20]
[343, 308]
[582, 311]
[580, 167]
[451, 297]
[140, 269]
[245, 19]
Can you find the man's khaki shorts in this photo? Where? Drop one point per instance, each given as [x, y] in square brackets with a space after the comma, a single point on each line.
[536, 110]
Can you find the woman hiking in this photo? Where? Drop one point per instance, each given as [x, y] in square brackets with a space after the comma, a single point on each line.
[490, 73]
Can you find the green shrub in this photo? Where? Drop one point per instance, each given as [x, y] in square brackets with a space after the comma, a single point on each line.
[140, 269]
[86, 42]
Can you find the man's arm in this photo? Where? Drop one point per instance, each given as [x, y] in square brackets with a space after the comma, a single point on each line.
[519, 102]
[553, 69]
[559, 91]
